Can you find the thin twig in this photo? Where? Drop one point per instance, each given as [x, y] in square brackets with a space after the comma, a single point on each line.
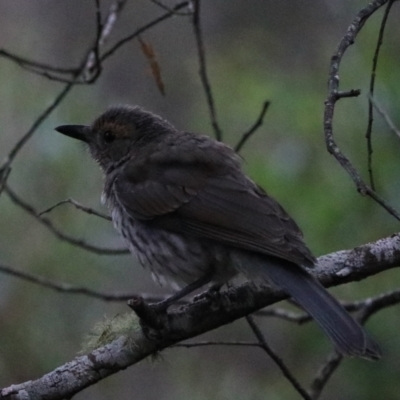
[88, 73]
[385, 116]
[5, 171]
[91, 68]
[77, 205]
[141, 30]
[278, 361]
[167, 8]
[368, 134]
[61, 235]
[93, 62]
[63, 287]
[217, 343]
[330, 103]
[24, 62]
[368, 307]
[324, 373]
[375, 304]
[388, 299]
[42, 117]
[93, 65]
[246, 136]
[348, 93]
[203, 70]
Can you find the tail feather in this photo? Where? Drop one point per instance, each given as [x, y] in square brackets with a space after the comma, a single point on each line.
[347, 334]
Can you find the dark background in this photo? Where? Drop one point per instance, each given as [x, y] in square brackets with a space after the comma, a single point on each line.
[256, 51]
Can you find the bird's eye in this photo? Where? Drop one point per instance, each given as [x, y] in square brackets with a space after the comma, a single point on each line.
[108, 137]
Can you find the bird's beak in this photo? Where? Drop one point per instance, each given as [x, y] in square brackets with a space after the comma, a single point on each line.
[80, 132]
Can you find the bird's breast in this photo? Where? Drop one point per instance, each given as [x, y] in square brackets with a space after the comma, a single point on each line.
[172, 258]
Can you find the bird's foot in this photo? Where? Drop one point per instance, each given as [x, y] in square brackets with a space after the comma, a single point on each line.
[212, 294]
[153, 317]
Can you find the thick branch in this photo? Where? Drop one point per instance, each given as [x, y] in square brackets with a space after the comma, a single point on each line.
[199, 317]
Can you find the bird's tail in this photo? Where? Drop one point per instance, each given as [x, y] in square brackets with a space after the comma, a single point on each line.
[347, 335]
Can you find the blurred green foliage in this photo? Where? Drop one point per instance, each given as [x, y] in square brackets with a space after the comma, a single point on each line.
[256, 51]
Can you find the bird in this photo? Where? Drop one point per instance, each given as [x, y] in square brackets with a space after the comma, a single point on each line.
[186, 208]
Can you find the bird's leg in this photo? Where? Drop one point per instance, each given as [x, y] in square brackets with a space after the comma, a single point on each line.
[152, 316]
[163, 305]
[212, 293]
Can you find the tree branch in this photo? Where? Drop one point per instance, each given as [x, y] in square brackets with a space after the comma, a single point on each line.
[59, 234]
[330, 103]
[324, 373]
[277, 360]
[199, 317]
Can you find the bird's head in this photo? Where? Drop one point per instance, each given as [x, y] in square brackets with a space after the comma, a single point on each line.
[112, 136]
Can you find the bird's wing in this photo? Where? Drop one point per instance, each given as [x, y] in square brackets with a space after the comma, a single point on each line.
[194, 199]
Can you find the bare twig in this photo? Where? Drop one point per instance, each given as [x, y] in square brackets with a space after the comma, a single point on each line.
[324, 373]
[278, 361]
[21, 142]
[77, 205]
[143, 29]
[111, 19]
[93, 64]
[348, 93]
[246, 136]
[217, 343]
[330, 103]
[35, 65]
[63, 287]
[385, 116]
[368, 134]
[375, 304]
[62, 236]
[166, 8]
[368, 307]
[387, 299]
[5, 171]
[203, 70]
[91, 69]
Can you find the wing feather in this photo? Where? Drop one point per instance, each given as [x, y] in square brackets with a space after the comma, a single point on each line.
[194, 200]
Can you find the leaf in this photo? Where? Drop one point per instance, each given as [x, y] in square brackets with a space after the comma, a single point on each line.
[149, 53]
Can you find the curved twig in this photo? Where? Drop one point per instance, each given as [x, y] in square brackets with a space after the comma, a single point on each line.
[78, 206]
[61, 235]
[333, 96]
[246, 136]
[277, 360]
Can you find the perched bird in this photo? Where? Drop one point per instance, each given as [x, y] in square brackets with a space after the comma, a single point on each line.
[184, 205]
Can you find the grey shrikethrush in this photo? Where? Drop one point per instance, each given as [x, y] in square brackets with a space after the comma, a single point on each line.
[185, 207]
